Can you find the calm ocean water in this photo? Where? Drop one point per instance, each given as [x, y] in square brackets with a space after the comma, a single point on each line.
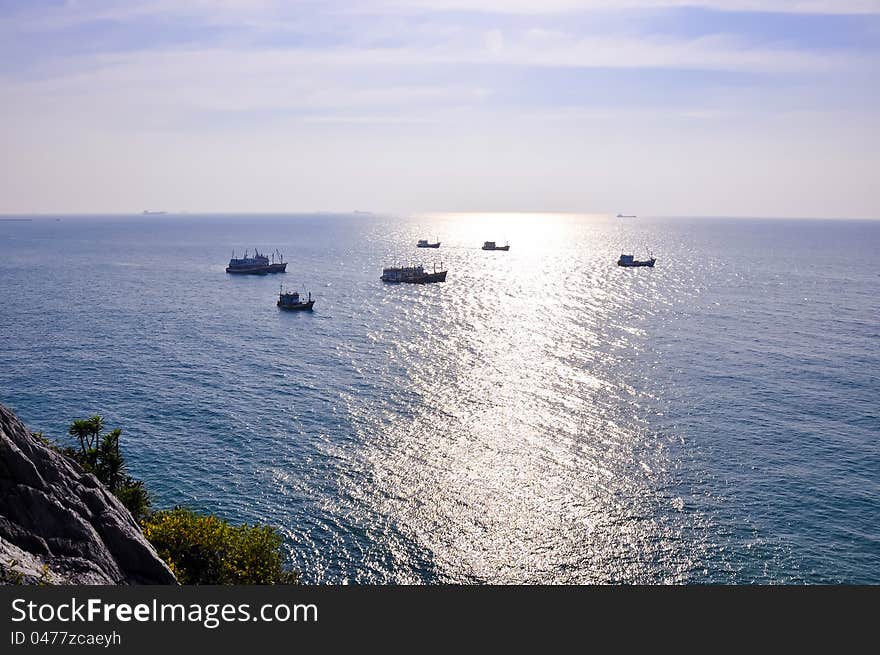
[543, 416]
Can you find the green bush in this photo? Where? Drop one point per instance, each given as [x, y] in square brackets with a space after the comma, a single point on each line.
[205, 549]
[134, 496]
[99, 454]
[199, 549]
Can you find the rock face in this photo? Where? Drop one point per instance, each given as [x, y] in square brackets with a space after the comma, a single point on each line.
[60, 525]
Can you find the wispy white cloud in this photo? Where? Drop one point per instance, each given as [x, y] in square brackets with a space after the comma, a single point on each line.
[268, 13]
[74, 12]
[406, 76]
[288, 66]
[305, 84]
[195, 88]
[559, 6]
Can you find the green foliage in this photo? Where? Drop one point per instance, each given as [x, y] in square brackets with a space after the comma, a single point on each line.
[134, 496]
[87, 431]
[199, 549]
[43, 580]
[109, 467]
[9, 575]
[202, 549]
[99, 454]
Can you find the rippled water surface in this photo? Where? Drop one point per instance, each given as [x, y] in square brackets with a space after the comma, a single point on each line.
[543, 416]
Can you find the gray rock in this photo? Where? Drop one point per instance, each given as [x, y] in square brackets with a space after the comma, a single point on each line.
[60, 525]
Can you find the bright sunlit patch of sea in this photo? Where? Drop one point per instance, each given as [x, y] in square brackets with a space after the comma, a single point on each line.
[490, 470]
[543, 416]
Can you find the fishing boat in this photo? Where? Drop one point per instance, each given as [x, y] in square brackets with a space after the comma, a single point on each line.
[259, 264]
[413, 274]
[279, 266]
[491, 245]
[630, 260]
[423, 243]
[291, 301]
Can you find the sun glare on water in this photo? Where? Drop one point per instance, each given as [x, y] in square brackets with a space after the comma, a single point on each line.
[514, 450]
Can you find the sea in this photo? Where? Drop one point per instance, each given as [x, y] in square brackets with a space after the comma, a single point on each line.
[542, 417]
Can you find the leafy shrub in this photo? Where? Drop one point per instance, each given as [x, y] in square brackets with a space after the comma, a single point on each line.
[199, 549]
[134, 496]
[99, 454]
[205, 549]
[9, 575]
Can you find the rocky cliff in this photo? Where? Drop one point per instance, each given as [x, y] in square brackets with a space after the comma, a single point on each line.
[60, 525]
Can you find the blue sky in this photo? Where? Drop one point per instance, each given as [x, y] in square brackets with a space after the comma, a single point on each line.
[733, 107]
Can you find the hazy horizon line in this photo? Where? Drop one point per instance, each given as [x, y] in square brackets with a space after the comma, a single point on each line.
[422, 213]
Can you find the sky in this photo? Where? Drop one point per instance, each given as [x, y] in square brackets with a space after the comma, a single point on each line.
[651, 107]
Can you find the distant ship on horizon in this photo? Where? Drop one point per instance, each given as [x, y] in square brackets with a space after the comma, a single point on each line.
[149, 212]
[626, 216]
